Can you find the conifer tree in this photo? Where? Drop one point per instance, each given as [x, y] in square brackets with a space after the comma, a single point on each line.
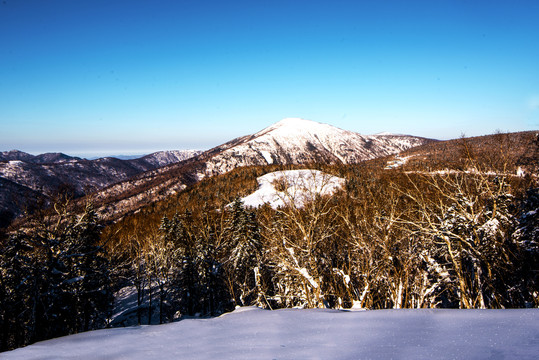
[88, 272]
[244, 253]
[55, 276]
[15, 293]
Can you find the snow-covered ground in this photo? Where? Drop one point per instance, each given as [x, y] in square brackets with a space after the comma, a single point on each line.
[301, 141]
[251, 333]
[292, 187]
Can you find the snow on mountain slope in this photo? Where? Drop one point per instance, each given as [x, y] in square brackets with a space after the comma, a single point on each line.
[292, 187]
[45, 173]
[251, 333]
[289, 141]
[163, 158]
[36, 159]
[300, 141]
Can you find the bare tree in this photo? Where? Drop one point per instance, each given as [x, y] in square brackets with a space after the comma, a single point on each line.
[467, 219]
[298, 234]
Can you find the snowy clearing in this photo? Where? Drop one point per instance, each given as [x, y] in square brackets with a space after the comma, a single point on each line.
[251, 333]
[297, 187]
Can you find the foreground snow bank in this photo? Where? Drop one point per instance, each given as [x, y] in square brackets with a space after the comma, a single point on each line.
[250, 333]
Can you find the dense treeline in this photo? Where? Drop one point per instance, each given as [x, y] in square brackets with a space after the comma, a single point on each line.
[54, 279]
[501, 152]
[391, 239]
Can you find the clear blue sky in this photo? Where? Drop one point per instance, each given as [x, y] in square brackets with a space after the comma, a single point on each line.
[135, 76]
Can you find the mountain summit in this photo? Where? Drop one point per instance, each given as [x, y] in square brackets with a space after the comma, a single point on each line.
[300, 141]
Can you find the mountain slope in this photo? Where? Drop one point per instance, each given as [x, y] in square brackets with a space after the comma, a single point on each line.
[289, 141]
[502, 152]
[163, 158]
[42, 175]
[35, 159]
[299, 141]
[15, 199]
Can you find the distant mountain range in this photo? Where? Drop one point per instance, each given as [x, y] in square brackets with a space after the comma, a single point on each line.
[26, 178]
[15, 155]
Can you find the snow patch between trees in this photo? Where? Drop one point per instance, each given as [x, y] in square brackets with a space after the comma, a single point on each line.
[267, 156]
[292, 187]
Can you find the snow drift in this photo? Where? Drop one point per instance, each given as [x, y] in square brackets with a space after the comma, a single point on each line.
[251, 333]
[292, 187]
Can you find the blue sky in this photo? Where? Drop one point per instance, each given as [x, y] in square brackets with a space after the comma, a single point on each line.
[134, 76]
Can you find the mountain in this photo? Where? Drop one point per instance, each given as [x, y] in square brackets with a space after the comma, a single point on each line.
[16, 155]
[299, 141]
[41, 176]
[163, 158]
[121, 186]
[289, 141]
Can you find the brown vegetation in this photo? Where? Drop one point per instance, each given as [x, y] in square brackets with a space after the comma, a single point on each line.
[398, 238]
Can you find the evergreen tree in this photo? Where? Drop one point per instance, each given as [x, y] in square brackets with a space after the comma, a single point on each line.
[15, 293]
[88, 273]
[55, 280]
[244, 253]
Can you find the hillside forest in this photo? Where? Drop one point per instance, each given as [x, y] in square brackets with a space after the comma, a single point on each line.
[452, 227]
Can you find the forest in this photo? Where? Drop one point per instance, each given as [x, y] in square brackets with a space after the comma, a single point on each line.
[416, 236]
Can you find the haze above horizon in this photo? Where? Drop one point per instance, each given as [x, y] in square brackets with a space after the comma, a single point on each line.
[123, 77]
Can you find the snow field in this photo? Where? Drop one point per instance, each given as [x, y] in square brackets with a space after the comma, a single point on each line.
[301, 186]
[251, 333]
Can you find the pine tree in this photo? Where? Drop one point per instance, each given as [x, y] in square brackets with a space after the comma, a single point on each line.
[245, 252]
[15, 293]
[88, 273]
[55, 276]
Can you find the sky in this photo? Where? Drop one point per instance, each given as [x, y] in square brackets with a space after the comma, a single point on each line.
[135, 76]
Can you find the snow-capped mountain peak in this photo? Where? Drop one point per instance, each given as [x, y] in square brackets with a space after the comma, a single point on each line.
[301, 141]
[291, 121]
[297, 126]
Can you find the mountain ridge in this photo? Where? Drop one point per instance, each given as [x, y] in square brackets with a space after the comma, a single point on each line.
[285, 142]
[40, 176]
[51, 157]
[299, 141]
